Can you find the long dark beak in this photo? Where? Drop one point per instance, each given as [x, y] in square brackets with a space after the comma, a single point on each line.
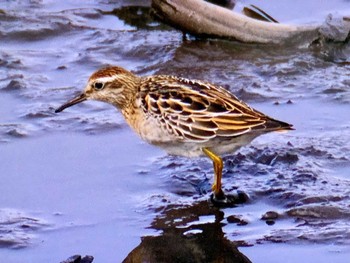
[82, 97]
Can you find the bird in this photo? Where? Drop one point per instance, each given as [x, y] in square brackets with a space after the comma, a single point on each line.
[185, 117]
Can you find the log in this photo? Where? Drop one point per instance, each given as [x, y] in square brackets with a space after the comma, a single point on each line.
[201, 18]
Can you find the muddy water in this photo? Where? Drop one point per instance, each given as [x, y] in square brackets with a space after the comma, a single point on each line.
[81, 182]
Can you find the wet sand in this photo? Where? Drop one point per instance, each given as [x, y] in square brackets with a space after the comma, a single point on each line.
[81, 182]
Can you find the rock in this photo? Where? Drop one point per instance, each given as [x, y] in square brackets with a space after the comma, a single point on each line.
[78, 259]
[270, 215]
[335, 28]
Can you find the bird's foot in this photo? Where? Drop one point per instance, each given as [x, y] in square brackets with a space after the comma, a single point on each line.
[220, 199]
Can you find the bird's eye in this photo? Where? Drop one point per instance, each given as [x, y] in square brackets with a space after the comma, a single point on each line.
[98, 85]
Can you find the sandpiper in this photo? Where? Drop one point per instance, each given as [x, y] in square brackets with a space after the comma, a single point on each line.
[185, 117]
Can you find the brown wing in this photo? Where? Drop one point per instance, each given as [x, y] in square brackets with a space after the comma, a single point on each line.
[200, 111]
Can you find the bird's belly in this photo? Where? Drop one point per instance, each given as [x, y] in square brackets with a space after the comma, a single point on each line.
[153, 132]
[217, 145]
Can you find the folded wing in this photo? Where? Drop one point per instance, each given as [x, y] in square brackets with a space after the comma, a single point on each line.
[199, 111]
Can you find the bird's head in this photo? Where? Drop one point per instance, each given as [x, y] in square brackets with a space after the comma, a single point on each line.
[113, 85]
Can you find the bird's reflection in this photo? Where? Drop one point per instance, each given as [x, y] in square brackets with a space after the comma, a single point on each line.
[189, 234]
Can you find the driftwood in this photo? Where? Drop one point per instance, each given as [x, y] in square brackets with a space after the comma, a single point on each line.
[201, 18]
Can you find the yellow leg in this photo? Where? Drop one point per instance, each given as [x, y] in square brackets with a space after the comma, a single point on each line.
[218, 165]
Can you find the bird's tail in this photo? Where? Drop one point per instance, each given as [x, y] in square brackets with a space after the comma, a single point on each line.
[276, 125]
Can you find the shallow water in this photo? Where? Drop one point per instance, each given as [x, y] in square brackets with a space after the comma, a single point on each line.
[81, 182]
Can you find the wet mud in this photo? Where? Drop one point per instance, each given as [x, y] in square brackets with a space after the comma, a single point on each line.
[82, 182]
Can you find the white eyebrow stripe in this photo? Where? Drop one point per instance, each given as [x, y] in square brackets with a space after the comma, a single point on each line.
[105, 79]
